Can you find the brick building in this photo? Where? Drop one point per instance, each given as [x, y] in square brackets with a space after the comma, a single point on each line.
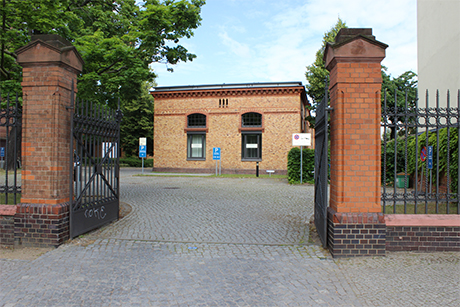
[251, 122]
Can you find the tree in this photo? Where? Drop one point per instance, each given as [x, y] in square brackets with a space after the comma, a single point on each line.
[398, 89]
[317, 73]
[137, 122]
[117, 40]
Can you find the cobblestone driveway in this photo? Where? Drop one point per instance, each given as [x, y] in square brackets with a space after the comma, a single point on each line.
[199, 241]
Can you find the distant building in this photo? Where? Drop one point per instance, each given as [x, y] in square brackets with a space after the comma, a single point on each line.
[251, 122]
[438, 49]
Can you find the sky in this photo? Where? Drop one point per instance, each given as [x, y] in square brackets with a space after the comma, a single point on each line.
[247, 41]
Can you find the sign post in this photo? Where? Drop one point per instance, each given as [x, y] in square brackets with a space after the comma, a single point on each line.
[301, 139]
[429, 164]
[216, 156]
[142, 150]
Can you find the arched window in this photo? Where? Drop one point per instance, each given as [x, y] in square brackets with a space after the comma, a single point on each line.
[251, 119]
[196, 120]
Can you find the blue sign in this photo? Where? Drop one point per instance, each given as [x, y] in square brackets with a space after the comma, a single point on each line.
[216, 153]
[430, 157]
[2, 152]
[142, 151]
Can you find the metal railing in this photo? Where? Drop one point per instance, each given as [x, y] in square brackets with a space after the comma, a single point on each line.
[10, 150]
[420, 157]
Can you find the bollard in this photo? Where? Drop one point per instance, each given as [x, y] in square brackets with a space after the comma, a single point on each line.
[257, 169]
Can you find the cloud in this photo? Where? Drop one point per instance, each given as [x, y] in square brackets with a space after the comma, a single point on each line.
[239, 49]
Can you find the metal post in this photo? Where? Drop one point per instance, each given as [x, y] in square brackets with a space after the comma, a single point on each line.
[301, 164]
[257, 169]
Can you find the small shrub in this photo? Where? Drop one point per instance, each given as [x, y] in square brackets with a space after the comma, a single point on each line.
[308, 167]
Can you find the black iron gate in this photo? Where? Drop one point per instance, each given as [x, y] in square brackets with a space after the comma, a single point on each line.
[95, 184]
[10, 150]
[321, 168]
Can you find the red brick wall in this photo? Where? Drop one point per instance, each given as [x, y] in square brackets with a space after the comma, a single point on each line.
[355, 137]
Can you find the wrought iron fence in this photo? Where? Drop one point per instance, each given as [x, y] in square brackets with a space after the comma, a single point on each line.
[10, 150]
[420, 157]
[95, 152]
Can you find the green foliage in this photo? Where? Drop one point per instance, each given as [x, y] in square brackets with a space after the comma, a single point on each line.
[308, 167]
[137, 122]
[116, 39]
[403, 90]
[136, 162]
[317, 73]
[445, 153]
[390, 159]
[413, 153]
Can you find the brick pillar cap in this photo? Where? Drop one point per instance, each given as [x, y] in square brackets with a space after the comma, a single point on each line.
[47, 49]
[354, 45]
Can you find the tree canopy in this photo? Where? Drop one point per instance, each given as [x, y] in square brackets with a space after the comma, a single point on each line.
[117, 40]
[317, 73]
[400, 89]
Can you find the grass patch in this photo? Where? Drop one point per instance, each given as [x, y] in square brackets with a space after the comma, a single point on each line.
[213, 175]
[274, 176]
[10, 199]
[410, 208]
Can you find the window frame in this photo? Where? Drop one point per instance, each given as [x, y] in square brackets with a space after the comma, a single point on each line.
[251, 126]
[244, 148]
[197, 126]
[190, 135]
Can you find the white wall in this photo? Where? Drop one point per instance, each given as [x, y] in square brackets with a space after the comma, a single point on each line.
[438, 48]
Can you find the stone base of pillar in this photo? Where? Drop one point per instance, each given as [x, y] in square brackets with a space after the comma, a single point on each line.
[41, 225]
[356, 234]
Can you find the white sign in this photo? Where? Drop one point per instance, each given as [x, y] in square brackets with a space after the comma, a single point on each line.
[112, 152]
[142, 141]
[301, 139]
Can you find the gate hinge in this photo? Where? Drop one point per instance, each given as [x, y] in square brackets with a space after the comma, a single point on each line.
[329, 108]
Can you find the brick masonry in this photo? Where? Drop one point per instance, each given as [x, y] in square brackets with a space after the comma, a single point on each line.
[41, 225]
[423, 233]
[355, 225]
[356, 234]
[50, 67]
[423, 238]
[7, 213]
[281, 109]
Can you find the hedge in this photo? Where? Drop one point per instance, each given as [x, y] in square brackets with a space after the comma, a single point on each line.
[136, 162]
[308, 167]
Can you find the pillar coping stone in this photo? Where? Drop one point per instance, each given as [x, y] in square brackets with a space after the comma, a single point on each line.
[354, 46]
[57, 52]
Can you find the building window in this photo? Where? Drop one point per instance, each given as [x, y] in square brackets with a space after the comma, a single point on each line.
[196, 120]
[196, 146]
[251, 120]
[251, 146]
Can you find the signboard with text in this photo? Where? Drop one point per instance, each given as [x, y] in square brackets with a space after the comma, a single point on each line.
[301, 139]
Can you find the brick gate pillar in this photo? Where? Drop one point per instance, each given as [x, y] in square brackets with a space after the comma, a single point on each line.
[50, 66]
[356, 225]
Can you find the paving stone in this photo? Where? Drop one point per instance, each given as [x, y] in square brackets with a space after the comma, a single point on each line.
[220, 242]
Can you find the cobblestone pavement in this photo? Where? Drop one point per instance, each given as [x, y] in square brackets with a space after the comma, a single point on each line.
[201, 241]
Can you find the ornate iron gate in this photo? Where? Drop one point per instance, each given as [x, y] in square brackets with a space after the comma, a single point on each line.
[94, 182]
[10, 150]
[321, 167]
